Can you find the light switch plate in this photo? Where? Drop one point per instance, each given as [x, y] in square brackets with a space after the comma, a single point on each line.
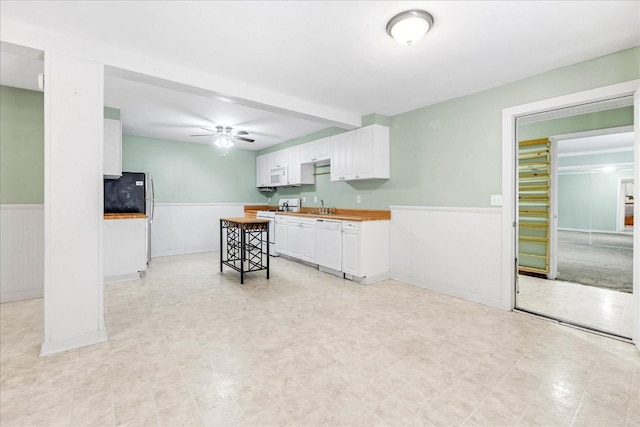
[358, 199]
[315, 199]
[304, 200]
[496, 200]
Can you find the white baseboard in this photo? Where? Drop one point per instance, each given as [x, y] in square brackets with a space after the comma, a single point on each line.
[369, 279]
[21, 295]
[121, 278]
[82, 340]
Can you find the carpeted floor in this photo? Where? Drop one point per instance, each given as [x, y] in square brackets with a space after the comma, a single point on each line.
[605, 263]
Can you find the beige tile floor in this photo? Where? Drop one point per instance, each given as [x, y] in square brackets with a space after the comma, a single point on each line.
[189, 346]
[603, 309]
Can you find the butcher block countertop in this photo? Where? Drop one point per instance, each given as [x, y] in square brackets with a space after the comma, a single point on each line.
[124, 216]
[340, 214]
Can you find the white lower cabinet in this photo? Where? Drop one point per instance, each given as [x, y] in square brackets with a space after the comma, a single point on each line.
[281, 234]
[294, 237]
[365, 250]
[124, 248]
[308, 237]
[363, 245]
[301, 238]
[351, 248]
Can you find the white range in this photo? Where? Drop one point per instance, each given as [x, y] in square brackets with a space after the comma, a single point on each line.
[284, 205]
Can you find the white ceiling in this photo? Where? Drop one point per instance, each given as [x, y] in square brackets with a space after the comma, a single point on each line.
[334, 55]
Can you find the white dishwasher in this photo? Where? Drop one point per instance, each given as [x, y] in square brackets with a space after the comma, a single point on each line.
[329, 244]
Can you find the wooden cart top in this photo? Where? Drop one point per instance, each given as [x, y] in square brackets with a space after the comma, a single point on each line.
[245, 220]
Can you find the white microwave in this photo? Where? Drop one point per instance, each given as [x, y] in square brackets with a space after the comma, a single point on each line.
[278, 176]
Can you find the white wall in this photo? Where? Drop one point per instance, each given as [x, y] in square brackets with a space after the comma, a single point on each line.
[21, 252]
[180, 228]
[456, 251]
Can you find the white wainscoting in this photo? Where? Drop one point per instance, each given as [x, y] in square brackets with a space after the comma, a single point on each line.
[21, 252]
[455, 251]
[181, 228]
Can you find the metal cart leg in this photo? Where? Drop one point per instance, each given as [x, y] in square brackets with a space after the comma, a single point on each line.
[243, 255]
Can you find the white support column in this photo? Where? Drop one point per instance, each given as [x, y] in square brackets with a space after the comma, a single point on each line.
[73, 204]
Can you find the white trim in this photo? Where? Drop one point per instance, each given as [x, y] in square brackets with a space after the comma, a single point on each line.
[21, 295]
[636, 214]
[596, 152]
[496, 211]
[32, 206]
[595, 132]
[590, 231]
[368, 279]
[553, 207]
[121, 278]
[58, 346]
[509, 129]
[593, 168]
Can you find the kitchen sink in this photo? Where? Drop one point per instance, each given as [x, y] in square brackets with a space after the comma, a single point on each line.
[320, 213]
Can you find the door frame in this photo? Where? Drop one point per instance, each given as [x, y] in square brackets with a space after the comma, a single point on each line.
[620, 211]
[509, 165]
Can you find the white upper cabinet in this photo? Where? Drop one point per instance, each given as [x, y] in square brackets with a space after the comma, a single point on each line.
[361, 154]
[358, 154]
[112, 149]
[318, 151]
[299, 173]
[262, 170]
[279, 159]
[342, 156]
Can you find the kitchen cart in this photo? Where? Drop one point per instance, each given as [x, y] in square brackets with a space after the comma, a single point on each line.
[244, 245]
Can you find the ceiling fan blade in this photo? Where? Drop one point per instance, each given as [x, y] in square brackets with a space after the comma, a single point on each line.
[240, 132]
[244, 139]
[208, 134]
[209, 130]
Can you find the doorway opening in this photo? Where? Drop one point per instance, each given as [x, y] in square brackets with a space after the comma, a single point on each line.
[574, 265]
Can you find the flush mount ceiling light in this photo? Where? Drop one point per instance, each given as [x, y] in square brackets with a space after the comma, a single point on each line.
[409, 26]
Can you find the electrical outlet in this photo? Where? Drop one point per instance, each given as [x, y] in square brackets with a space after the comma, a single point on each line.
[304, 200]
[315, 199]
[496, 200]
[358, 199]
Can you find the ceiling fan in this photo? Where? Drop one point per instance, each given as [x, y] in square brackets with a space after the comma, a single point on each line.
[228, 132]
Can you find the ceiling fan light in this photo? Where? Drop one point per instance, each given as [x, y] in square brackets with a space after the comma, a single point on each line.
[223, 142]
[410, 26]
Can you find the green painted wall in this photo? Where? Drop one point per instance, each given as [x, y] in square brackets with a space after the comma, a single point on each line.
[192, 172]
[21, 146]
[111, 113]
[588, 201]
[449, 154]
[580, 123]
